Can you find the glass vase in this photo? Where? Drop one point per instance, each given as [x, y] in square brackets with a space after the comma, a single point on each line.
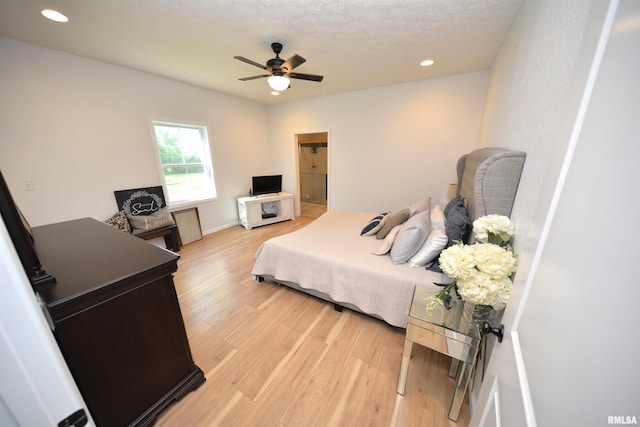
[473, 315]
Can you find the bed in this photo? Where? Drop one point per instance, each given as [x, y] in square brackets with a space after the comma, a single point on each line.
[331, 260]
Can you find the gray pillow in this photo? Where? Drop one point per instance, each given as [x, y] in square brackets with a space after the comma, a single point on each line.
[453, 203]
[395, 218]
[141, 223]
[457, 224]
[410, 237]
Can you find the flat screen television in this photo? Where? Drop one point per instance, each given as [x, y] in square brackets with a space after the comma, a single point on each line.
[266, 184]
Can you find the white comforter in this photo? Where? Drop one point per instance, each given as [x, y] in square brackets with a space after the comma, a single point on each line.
[330, 256]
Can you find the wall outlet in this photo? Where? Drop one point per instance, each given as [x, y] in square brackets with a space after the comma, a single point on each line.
[28, 185]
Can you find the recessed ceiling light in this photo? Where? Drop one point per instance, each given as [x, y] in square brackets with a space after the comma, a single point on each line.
[275, 93]
[54, 15]
[427, 62]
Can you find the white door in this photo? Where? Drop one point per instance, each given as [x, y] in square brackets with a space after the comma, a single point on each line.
[36, 388]
[570, 352]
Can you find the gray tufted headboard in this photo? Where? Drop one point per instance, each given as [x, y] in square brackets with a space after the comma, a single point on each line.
[488, 179]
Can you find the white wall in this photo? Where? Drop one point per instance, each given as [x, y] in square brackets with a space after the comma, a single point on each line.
[594, 286]
[533, 97]
[80, 129]
[533, 94]
[387, 146]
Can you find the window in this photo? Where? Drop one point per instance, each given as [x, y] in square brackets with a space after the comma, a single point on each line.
[185, 159]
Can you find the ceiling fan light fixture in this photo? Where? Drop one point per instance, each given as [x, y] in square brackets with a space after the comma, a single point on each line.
[278, 83]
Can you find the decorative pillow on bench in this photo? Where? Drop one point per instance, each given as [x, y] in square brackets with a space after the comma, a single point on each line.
[141, 223]
[119, 221]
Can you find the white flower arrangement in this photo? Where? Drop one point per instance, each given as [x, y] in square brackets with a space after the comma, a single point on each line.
[481, 272]
[497, 229]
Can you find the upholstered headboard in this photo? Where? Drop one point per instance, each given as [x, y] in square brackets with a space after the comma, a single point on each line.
[488, 179]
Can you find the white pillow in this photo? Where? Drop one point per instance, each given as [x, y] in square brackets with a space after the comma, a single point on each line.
[411, 237]
[437, 217]
[385, 247]
[432, 247]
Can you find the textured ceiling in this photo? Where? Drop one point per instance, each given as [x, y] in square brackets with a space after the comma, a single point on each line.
[355, 44]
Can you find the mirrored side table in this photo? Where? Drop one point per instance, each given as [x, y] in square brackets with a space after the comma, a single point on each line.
[438, 329]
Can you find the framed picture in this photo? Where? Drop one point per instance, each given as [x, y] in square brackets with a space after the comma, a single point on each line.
[140, 201]
[188, 222]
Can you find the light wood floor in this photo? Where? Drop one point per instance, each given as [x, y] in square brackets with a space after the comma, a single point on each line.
[276, 357]
[313, 210]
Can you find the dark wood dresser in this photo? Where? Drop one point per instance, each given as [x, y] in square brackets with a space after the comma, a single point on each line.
[117, 320]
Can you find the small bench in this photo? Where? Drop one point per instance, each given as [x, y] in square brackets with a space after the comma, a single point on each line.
[170, 234]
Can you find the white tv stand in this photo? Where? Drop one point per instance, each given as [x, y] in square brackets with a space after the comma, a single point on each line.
[255, 211]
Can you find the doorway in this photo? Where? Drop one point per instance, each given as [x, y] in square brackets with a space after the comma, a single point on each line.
[313, 174]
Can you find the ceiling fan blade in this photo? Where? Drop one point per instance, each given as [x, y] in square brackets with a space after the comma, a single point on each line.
[292, 63]
[248, 61]
[244, 79]
[312, 77]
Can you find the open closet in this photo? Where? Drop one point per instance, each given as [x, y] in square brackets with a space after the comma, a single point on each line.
[313, 171]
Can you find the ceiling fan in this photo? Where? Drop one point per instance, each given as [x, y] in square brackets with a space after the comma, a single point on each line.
[280, 70]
